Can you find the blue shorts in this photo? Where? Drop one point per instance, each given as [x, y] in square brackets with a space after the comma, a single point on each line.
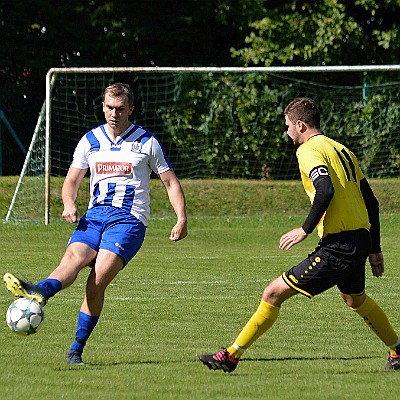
[110, 228]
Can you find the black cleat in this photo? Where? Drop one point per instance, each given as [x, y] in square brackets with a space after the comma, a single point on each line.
[74, 357]
[393, 363]
[20, 288]
[221, 360]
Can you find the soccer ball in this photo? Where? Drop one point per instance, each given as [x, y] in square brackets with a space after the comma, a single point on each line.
[25, 316]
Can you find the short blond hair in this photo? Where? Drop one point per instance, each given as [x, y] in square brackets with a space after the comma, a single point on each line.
[119, 89]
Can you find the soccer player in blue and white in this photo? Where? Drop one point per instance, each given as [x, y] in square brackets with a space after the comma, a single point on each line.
[121, 157]
[345, 213]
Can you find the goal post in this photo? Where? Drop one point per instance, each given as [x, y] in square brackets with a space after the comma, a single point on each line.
[214, 122]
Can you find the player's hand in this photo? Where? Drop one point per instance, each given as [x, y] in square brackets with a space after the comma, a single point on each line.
[179, 231]
[377, 264]
[70, 213]
[291, 238]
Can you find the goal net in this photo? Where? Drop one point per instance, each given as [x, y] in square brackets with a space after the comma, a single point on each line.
[215, 122]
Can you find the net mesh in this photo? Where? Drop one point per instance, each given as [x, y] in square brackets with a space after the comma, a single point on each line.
[218, 124]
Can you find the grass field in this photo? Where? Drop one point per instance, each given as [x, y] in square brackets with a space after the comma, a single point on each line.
[175, 300]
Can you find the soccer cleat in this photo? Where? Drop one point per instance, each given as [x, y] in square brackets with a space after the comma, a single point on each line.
[394, 359]
[74, 357]
[20, 288]
[221, 360]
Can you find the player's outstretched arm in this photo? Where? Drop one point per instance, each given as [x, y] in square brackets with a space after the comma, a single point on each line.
[178, 202]
[69, 192]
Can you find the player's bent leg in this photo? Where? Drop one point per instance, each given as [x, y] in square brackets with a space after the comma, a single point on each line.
[20, 288]
[106, 267]
[85, 326]
[76, 257]
[261, 321]
[228, 359]
[277, 292]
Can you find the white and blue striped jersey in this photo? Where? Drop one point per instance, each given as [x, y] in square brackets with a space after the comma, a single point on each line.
[120, 172]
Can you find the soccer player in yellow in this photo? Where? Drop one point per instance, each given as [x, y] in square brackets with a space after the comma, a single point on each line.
[346, 214]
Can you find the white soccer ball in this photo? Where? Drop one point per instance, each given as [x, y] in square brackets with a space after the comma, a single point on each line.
[25, 316]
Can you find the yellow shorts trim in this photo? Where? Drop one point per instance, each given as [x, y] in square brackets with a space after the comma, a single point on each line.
[293, 286]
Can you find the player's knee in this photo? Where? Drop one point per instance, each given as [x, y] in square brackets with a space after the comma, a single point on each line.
[353, 301]
[275, 293]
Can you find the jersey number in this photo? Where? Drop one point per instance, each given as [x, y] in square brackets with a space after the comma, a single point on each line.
[350, 174]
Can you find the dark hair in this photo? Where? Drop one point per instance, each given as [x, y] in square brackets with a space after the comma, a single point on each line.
[120, 89]
[304, 109]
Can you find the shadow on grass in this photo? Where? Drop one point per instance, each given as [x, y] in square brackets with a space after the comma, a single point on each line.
[309, 358]
[100, 365]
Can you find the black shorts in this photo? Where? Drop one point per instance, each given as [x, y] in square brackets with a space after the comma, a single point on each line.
[338, 260]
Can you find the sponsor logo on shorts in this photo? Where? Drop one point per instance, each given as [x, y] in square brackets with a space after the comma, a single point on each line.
[119, 246]
[120, 168]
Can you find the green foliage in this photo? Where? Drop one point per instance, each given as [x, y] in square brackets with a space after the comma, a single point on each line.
[371, 127]
[323, 32]
[181, 33]
[380, 140]
[234, 127]
[39, 35]
[236, 116]
[318, 32]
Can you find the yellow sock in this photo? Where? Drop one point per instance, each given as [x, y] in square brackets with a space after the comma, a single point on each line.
[264, 317]
[377, 320]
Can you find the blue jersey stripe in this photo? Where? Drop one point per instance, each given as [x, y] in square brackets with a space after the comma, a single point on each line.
[144, 138]
[110, 194]
[127, 202]
[114, 146]
[96, 192]
[94, 143]
[133, 129]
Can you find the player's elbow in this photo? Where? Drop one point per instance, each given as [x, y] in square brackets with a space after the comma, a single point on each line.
[325, 190]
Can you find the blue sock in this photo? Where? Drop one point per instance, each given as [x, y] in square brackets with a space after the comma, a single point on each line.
[50, 286]
[86, 324]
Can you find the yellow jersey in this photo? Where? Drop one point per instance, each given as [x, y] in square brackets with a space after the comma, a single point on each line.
[347, 210]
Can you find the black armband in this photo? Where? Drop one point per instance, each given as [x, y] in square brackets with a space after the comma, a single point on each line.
[324, 192]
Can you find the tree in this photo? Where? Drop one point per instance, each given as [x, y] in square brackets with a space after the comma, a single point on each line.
[327, 32]
[40, 34]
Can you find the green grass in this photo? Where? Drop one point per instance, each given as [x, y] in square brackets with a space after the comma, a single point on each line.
[178, 299]
[218, 197]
